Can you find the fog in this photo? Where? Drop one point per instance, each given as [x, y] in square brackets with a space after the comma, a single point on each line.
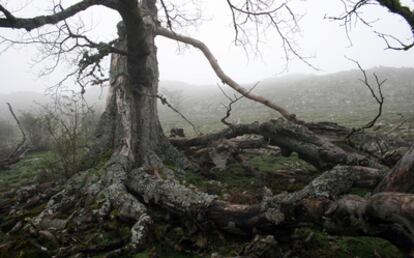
[324, 40]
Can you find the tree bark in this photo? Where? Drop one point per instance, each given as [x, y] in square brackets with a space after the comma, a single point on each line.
[130, 126]
[401, 177]
[386, 215]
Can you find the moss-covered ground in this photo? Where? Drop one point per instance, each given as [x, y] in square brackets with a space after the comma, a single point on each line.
[236, 184]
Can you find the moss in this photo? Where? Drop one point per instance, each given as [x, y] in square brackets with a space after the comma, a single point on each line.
[368, 247]
[360, 191]
[238, 184]
[144, 254]
[323, 245]
[271, 164]
[25, 171]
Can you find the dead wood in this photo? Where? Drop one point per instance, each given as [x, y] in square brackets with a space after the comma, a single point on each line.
[381, 146]
[220, 151]
[386, 215]
[290, 137]
[401, 177]
[20, 150]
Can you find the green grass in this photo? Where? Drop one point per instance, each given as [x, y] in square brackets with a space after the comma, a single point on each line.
[360, 191]
[164, 252]
[244, 186]
[368, 246]
[271, 164]
[233, 181]
[26, 170]
[322, 245]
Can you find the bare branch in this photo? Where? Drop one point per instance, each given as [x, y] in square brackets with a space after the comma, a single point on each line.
[266, 14]
[6, 13]
[378, 96]
[32, 23]
[181, 15]
[395, 6]
[224, 77]
[167, 15]
[352, 14]
[20, 149]
[164, 101]
[231, 102]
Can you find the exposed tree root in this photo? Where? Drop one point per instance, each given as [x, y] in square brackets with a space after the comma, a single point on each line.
[105, 190]
[127, 193]
[316, 203]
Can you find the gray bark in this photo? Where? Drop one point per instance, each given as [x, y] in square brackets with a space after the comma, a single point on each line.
[130, 125]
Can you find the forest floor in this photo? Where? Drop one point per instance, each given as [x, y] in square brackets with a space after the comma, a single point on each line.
[236, 184]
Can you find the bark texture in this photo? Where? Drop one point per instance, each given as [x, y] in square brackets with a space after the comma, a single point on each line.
[130, 125]
[401, 177]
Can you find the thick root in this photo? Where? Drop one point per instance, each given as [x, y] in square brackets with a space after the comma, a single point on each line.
[106, 190]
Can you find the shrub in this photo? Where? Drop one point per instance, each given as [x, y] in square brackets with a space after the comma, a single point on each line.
[70, 125]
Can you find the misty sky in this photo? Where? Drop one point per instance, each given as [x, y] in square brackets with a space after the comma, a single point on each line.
[326, 41]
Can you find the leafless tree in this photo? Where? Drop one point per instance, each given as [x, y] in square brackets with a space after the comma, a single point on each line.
[134, 178]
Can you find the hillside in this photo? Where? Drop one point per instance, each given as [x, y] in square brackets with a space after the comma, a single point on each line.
[338, 97]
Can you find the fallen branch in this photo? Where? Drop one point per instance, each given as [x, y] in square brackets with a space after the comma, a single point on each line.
[401, 177]
[20, 149]
[397, 126]
[290, 137]
[386, 215]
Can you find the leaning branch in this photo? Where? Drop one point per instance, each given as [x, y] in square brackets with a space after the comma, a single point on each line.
[395, 6]
[223, 76]
[164, 101]
[20, 149]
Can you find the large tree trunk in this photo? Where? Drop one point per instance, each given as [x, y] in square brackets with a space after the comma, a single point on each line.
[129, 131]
[130, 126]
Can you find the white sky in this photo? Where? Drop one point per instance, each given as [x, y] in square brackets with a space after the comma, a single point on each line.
[324, 40]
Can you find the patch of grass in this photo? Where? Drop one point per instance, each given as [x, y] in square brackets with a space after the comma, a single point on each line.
[164, 252]
[271, 164]
[360, 191]
[322, 245]
[244, 186]
[26, 170]
[368, 246]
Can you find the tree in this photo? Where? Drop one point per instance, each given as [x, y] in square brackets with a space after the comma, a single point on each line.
[130, 139]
